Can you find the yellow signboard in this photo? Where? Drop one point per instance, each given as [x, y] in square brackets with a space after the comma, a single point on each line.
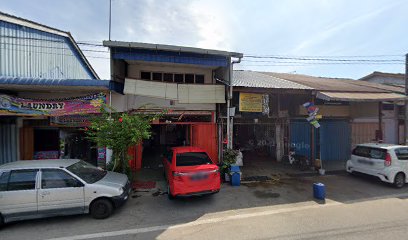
[250, 102]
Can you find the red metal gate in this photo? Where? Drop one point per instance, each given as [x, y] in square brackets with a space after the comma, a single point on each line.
[135, 153]
[205, 136]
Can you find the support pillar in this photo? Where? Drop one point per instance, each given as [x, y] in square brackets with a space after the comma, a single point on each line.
[406, 102]
[380, 129]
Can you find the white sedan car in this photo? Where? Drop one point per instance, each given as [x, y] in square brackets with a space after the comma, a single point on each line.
[388, 162]
[44, 188]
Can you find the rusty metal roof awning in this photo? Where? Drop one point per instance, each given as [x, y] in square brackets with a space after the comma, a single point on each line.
[360, 97]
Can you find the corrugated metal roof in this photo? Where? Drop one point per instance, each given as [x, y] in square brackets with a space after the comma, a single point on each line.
[171, 48]
[329, 84]
[360, 97]
[262, 80]
[24, 43]
[54, 82]
[383, 74]
[384, 87]
[148, 55]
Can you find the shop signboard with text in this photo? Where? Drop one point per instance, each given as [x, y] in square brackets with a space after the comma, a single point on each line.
[250, 102]
[15, 106]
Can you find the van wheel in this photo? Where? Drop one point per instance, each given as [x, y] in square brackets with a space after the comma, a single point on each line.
[399, 180]
[101, 208]
[169, 194]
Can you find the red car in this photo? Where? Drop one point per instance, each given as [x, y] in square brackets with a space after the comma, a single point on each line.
[190, 172]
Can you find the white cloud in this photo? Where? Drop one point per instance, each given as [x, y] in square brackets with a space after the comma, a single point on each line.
[290, 27]
[211, 25]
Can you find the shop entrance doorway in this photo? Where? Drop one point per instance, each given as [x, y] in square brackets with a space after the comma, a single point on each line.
[164, 136]
[46, 143]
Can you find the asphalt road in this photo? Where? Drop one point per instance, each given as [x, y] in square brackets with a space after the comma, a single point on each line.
[377, 219]
[357, 208]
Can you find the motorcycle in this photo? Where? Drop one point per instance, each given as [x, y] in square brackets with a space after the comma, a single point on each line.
[301, 161]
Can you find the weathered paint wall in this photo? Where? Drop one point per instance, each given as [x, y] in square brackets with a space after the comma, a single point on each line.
[363, 132]
[366, 114]
[363, 110]
[128, 102]
[30, 53]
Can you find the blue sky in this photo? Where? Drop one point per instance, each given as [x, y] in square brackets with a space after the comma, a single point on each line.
[289, 28]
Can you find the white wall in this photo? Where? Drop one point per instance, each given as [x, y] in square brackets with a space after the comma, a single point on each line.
[390, 124]
[128, 102]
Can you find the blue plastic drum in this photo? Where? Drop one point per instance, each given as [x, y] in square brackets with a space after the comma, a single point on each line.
[319, 191]
[235, 175]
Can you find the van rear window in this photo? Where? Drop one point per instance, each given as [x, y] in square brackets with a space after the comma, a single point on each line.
[370, 152]
[192, 159]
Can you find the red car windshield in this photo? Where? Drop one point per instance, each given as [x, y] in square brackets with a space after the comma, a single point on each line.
[192, 159]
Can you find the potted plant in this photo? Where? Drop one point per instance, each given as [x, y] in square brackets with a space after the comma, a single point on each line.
[230, 157]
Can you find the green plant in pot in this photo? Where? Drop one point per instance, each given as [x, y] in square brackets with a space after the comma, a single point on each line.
[230, 157]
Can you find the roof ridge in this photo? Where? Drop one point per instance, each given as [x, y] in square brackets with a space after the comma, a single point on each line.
[33, 22]
[44, 28]
[300, 74]
[263, 73]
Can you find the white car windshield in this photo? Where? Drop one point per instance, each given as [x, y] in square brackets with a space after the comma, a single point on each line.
[87, 172]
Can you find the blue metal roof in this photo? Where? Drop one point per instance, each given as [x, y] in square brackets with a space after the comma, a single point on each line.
[54, 82]
[32, 50]
[169, 57]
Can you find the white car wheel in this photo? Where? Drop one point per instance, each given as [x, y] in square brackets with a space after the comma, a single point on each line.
[399, 180]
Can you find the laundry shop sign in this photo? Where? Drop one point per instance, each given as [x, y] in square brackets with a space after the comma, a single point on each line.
[10, 105]
[42, 105]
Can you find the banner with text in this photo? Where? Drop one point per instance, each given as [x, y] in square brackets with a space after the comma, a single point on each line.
[250, 102]
[31, 107]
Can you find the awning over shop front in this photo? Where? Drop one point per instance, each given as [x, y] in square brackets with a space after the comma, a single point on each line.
[40, 84]
[183, 93]
[360, 96]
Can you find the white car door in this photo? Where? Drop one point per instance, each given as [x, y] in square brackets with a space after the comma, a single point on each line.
[18, 194]
[402, 155]
[60, 193]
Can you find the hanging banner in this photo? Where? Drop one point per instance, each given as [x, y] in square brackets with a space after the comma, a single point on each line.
[312, 110]
[31, 107]
[71, 121]
[250, 102]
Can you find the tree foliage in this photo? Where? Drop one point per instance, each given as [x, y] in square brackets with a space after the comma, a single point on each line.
[119, 131]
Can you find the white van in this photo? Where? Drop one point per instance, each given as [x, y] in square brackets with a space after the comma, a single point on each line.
[43, 188]
[386, 161]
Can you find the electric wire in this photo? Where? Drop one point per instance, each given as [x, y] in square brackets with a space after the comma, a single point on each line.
[252, 59]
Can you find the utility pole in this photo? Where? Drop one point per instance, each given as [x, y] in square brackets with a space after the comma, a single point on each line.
[406, 102]
[110, 18]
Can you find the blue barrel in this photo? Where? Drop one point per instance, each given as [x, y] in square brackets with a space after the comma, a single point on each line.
[234, 168]
[319, 191]
[235, 175]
